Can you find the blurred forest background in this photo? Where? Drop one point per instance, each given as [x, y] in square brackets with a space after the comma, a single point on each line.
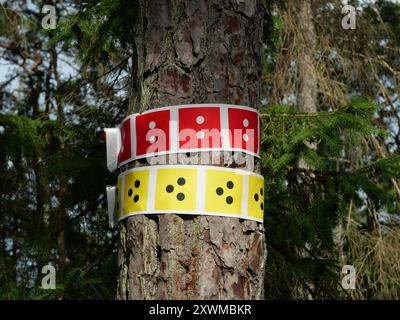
[331, 142]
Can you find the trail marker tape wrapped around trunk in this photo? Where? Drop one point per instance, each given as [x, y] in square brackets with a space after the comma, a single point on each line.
[188, 189]
[182, 129]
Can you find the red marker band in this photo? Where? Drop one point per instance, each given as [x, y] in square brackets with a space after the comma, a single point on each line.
[183, 129]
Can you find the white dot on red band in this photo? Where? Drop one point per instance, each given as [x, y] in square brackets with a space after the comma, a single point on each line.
[152, 139]
[200, 119]
[152, 124]
[246, 122]
[200, 134]
[245, 137]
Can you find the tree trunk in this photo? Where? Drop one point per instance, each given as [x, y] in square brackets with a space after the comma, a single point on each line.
[307, 74]
[307, 91]
[194, 52]
[306, 95]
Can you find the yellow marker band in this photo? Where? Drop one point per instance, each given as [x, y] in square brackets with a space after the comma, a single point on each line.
[193, 190]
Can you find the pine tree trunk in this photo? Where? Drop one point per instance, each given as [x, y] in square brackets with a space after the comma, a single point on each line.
[307, 74]
[194, 52]
[306, 95]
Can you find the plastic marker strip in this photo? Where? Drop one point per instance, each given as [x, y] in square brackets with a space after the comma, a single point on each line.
[111, 197]
[194, 190]
[181, 129]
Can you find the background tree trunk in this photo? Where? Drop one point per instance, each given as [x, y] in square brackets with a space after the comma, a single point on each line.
[307, 89]
[194, 52]
[306, 95]
[307, 73]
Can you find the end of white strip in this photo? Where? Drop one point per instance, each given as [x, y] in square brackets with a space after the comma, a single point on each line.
[112, 205]
[245, 195]
[113, 145]
[226, 144]
[174, 130]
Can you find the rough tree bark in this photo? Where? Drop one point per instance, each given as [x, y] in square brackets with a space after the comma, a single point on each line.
[307, 90]
[307, 74]
[194, 52]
